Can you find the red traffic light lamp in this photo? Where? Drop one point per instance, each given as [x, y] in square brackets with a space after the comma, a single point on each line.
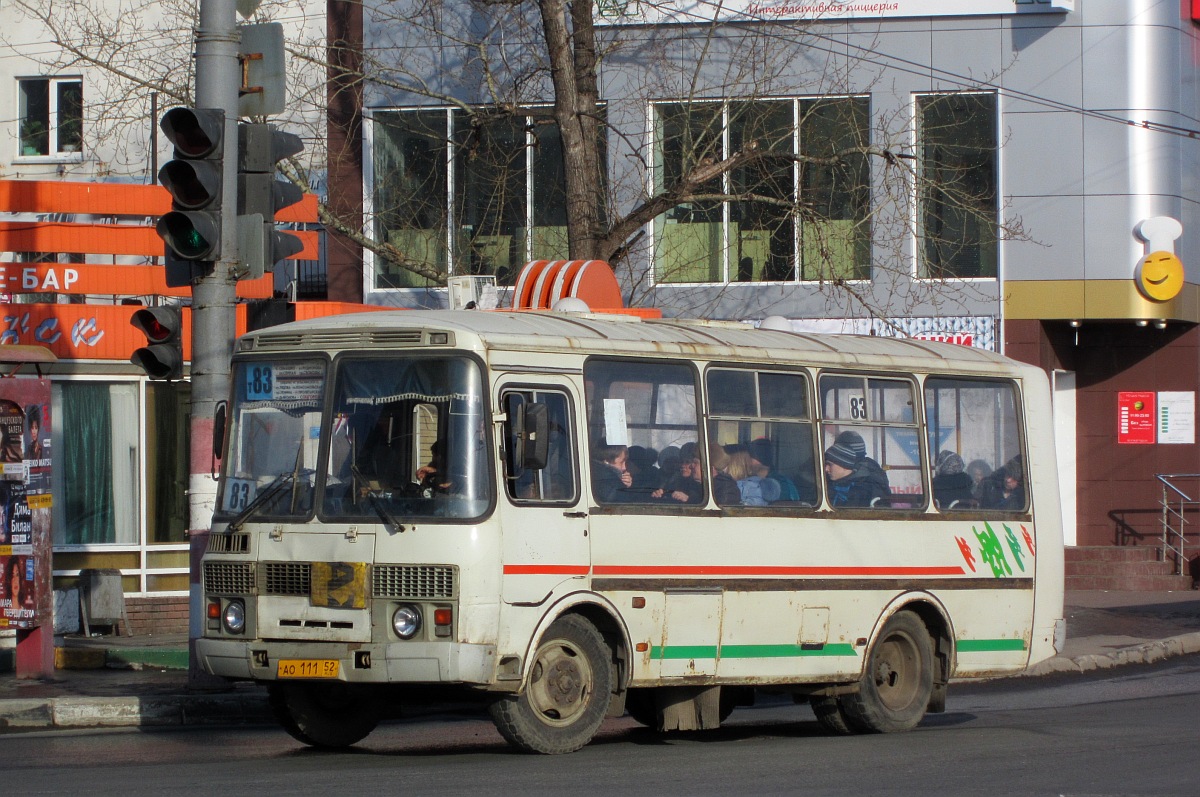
[162, 356]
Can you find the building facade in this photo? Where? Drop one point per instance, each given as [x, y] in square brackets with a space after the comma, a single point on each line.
[1017, 174]
[84, 86]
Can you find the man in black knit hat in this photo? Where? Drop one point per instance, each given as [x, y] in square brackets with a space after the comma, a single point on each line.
[853, 478]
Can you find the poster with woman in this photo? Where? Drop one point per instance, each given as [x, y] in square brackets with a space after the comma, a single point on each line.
[25, 502]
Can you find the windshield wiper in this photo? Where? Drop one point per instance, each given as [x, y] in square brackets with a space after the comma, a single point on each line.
[389, 520]
[264, 495]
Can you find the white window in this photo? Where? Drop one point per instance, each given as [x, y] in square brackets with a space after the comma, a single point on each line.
[50, 117]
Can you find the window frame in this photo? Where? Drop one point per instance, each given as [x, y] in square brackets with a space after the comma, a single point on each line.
[449, 244]
[728, 254]
[55, 153]
[921, 269]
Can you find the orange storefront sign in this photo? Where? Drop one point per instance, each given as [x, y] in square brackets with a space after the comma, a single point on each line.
[103, 332]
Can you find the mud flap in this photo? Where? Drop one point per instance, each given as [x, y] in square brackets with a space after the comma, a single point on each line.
[689, 708]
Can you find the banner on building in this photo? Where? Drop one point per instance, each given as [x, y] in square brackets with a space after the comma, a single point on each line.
[618, 12]
[975, 331]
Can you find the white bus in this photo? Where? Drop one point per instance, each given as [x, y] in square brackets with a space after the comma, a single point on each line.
[571, 516]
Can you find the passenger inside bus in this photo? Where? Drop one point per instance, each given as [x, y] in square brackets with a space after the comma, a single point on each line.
[1005, 488]
[951, 483]
[725, 487]
[853, 478]
[762, 456]
[753, 489]
[686, 485]
[611, 481]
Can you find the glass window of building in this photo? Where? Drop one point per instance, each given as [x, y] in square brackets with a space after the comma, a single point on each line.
[959, 203]
[801, 212]
[95, 472]
[456, 193]
[50, 116]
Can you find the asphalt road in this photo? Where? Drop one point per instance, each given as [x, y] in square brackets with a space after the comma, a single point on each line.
[1126, 731]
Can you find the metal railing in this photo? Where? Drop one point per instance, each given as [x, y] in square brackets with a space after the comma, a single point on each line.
[1175, 503]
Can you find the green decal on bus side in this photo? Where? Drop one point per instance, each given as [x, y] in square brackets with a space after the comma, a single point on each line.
[989, 645]
[748, 651]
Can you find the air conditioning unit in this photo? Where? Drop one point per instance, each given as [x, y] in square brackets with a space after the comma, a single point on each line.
[473, 292]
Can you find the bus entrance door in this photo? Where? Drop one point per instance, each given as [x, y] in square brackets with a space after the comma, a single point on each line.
[545, 525]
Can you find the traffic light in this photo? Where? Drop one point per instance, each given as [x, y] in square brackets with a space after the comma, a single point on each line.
[162, 356]
[260, 195]
[192, 229]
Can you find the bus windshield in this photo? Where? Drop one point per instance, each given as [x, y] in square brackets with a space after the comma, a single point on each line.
[275, 421]
[407, 440]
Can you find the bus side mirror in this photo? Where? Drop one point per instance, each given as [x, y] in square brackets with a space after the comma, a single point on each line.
[534, 436]
[219, 419]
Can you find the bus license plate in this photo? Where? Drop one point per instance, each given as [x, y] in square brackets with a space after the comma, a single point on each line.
[307, 668]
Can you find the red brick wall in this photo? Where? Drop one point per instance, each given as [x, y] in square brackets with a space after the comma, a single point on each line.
[157, 615]
[1117, 492]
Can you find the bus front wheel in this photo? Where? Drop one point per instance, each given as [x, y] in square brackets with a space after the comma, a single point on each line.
[566, 698]
[898, 681]
[323, 714]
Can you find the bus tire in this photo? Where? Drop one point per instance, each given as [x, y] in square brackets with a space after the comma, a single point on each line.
[831, 715]
[571, 679]
[897, 682]
[324, 714]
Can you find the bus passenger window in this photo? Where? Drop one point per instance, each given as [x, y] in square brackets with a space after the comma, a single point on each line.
[761, 436]
[974, 444]
[647, 411]
[872, 444]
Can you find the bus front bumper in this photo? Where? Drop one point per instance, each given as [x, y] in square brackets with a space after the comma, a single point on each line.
[398, 662]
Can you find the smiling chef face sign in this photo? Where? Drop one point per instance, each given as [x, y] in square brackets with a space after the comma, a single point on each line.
[1159, 275]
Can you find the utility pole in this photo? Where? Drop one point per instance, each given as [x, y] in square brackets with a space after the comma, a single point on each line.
[214, 293]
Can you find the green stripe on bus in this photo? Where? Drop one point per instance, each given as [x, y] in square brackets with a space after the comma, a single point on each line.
[783, 651]
[748, 651]
[989, 645]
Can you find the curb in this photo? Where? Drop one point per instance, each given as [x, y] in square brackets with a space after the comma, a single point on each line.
[62, 713]
[1146, 653]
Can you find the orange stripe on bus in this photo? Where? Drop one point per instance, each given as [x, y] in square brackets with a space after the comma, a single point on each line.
[546, 570]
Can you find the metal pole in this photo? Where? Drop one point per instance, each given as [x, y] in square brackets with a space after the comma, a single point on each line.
[218, 77]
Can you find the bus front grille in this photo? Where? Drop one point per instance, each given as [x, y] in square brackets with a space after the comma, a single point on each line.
[429, 582]
[229, 578]
[230, 542]
[287, 578]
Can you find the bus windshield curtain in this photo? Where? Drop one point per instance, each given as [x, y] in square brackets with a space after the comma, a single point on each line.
[86, 463]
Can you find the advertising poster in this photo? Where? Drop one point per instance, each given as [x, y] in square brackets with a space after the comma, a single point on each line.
[1136, 418]
[25, 502]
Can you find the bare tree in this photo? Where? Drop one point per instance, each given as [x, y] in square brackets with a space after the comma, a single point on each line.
[520, 83]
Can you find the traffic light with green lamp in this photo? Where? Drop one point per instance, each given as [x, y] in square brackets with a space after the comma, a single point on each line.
[192, 229]
[261, 195]
[162, 356]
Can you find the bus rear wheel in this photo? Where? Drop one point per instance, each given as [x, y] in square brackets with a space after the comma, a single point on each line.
[570, 685]
[324, 714]
[894, 692]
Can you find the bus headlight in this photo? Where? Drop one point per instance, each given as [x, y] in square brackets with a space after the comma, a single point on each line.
[234, 618]
[406, 621]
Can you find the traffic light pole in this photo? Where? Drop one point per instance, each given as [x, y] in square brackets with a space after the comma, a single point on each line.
[218, 77]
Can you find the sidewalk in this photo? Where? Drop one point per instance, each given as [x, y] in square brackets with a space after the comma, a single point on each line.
[142, 681]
